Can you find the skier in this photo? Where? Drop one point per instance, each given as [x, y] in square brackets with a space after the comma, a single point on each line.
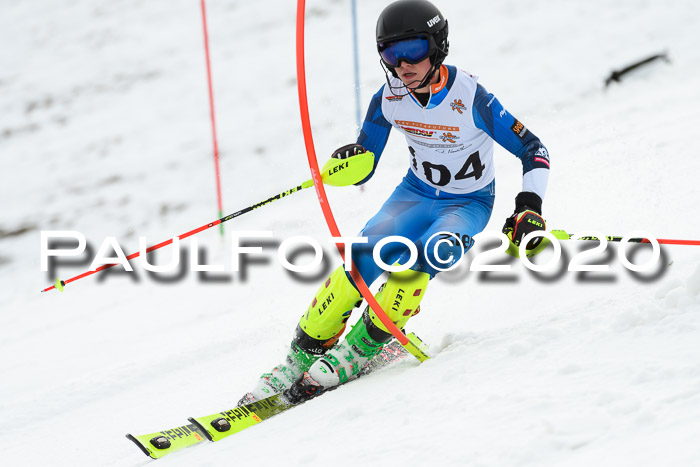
[450, 123]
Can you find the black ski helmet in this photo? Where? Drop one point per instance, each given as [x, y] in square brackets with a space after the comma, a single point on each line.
[410, 18]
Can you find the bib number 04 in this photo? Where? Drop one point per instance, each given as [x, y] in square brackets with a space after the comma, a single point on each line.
[473, 167]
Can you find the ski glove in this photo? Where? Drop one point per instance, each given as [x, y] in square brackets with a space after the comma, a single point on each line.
[526, 218]
[348, 150]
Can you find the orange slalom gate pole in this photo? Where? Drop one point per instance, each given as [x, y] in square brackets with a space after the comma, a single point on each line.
[318, 183]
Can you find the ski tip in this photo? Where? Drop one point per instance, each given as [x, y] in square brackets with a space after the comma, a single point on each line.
[417, 348]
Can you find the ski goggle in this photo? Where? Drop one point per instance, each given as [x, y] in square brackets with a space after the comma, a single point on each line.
[411, 50]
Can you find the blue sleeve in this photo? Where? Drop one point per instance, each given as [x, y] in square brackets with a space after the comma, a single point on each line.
[375, 131]
[490, 116]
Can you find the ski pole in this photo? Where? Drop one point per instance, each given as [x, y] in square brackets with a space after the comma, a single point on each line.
[559, 234]
[563, 235]
[336, 172]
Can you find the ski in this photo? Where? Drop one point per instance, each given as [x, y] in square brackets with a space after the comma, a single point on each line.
[157, 445]
[223, 424]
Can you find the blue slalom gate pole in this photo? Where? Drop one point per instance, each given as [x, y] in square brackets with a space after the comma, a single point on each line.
[358, 110]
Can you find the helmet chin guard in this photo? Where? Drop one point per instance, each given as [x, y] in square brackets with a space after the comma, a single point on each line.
[424, 82]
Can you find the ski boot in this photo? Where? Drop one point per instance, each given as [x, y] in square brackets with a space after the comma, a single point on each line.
[282, 376]
[319, 329]
[400, 298]
[303, 389]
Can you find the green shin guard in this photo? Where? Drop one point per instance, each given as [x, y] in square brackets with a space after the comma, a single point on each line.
[324, 321]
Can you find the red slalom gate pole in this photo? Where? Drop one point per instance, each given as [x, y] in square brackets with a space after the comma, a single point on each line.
[212, 114]
[318, 183]
[668, 241]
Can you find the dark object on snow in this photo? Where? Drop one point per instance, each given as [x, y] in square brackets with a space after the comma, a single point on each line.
[616, 75]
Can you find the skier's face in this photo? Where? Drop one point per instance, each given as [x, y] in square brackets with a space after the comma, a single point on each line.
[411, 74]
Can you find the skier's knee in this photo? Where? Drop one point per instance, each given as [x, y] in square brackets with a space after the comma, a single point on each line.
[443, 257]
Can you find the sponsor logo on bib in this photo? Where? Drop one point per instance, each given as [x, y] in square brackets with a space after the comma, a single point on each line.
[458, 106]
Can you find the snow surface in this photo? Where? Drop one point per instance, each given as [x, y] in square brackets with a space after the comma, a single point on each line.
[104, 128]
